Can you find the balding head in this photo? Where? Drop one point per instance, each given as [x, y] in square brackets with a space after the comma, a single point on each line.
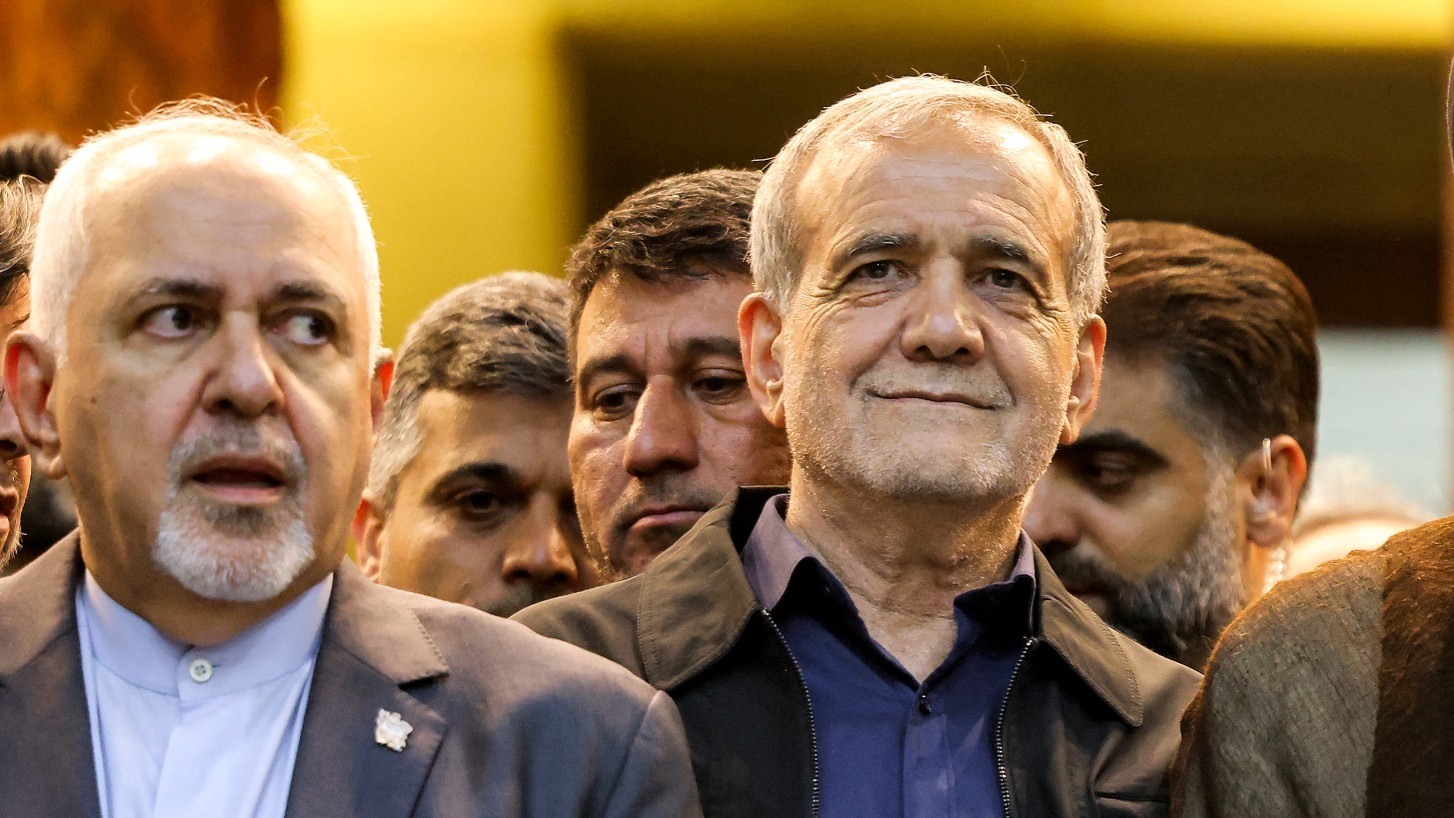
[175, 139]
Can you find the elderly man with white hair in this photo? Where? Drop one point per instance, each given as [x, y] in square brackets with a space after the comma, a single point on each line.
[881, 638]
[201, 365]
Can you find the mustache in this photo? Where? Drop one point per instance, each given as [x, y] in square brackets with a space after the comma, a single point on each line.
[977, 385]
[664, 490]
[269, 441]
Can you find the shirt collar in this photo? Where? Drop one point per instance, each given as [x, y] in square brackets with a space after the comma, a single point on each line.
[772, 554]
[130, 647]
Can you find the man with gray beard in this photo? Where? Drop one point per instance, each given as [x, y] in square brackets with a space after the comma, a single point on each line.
[1172, 511]
[203, 363]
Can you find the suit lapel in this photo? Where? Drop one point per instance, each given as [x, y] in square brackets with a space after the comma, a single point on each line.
[372, 644]
[46, 767]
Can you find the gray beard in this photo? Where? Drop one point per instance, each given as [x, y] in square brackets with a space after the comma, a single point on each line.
[233, 553]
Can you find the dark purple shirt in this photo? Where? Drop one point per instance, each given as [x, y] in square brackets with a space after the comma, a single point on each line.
[887, 745]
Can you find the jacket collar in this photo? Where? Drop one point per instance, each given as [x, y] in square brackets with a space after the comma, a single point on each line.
[1095, 651]
[47, 597]
[695, 602]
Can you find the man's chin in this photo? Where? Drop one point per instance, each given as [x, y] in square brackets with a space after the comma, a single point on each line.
[641, 546]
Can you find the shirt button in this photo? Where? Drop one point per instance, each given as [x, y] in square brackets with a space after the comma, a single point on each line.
[200, 670]
[924, 704]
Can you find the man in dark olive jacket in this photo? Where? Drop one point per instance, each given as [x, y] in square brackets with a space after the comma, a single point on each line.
[881, 638]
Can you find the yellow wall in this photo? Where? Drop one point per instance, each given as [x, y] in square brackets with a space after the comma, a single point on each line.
[451, 113]
[460, 122]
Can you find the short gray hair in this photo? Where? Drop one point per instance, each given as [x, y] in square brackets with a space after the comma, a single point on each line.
[901, 107]
[62, 242]
[504, 334]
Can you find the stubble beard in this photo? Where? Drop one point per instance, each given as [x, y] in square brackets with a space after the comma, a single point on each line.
[874, 459]
[233, 553]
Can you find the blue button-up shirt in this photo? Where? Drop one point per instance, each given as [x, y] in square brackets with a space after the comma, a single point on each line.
[887, 744]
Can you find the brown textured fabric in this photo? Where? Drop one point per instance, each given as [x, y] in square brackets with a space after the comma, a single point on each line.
[1412, 772]
[1284, 722]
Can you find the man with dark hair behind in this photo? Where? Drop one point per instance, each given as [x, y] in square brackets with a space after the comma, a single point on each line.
[33, 154]
[1172, 510]
[664, 423]
[469, 492]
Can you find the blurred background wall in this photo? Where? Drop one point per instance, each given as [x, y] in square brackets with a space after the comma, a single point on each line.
[486, 134]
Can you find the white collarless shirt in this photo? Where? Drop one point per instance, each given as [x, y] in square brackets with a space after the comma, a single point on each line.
[179, 730]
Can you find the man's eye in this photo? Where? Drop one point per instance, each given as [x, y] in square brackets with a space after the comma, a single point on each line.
[1006, 280]
[877, 271]
[306, 328]
[172, 321]
[614, 402]
[1109, 476]
[719, 388]
[479, 504]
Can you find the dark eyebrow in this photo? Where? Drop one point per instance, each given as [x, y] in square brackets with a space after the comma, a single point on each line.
[875, 243]
[694, 347]
[1112, 440]
[605, 363]
[702, 345]
[483, 471]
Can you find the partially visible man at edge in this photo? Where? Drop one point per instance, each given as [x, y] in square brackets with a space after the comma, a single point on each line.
[469, 495]
[28, 162]
[201, 363]
[664, 424]
[19, 207]
[929, 258]
[1331, 696]
[1172, 511]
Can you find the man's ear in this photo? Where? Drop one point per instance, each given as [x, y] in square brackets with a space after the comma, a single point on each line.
[1085, 384]
[30, 369]
[384, 370]
[382, 382]
[368, 533]
[760, 327]
[1271, 481]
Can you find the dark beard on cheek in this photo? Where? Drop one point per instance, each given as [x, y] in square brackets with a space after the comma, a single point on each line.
[1183, 604]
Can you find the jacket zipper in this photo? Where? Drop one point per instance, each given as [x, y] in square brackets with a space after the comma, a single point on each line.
[1000, 767]
[812, 725]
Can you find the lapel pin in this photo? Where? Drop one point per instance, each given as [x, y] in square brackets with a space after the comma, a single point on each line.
[391, 730]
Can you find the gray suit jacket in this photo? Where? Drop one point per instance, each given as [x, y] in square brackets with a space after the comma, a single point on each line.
[506, 723]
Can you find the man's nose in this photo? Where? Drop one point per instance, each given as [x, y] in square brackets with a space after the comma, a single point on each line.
[942, 324]
[243, 380]
[1049, 519]
[663, 433]
[541, 555]
[12, 440]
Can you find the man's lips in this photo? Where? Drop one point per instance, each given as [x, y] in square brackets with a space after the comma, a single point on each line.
[932, 396]
[241, 480]
[662, 516]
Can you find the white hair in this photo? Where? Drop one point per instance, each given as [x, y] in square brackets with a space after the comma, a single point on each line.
[62, 241]
[902, 107]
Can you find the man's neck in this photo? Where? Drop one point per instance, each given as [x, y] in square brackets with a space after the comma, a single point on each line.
[181, 614]
[903, 561]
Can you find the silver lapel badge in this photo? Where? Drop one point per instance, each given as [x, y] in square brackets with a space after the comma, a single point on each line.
[391, 730]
